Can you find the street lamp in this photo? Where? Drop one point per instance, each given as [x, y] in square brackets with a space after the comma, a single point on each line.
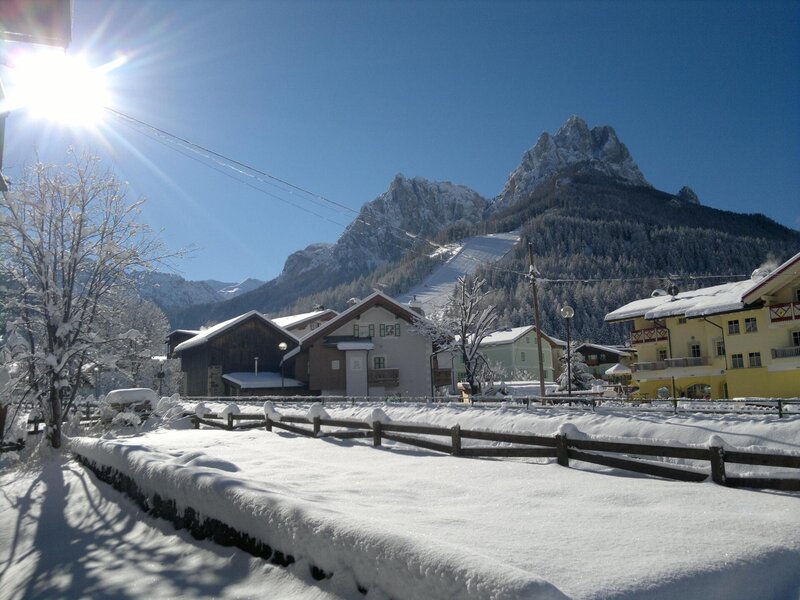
[282, 347]
[568, 312]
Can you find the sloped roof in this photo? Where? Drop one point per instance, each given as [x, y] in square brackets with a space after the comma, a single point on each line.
[610, 349]
[506, 336]
[210, 333]
[293, 320]
[376, 299]
[727, 297]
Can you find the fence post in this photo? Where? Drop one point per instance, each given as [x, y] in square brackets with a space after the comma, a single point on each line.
[230, 421]
[316, 426]
[674, 406]
[268, 422]
[562, 451]
[196, 422]
[456, 435]
[780, 408]
[717, 465]
[376, 433]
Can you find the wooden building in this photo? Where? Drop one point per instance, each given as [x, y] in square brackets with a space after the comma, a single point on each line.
[247, 344]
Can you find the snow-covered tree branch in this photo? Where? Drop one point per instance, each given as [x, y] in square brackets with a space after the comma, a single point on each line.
[69, 243]
[462, 326]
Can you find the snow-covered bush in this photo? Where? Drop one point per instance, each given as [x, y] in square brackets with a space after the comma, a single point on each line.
[126, 419]
[270, 412]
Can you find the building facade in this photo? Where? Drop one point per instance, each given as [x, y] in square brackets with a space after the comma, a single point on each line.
[732, 340]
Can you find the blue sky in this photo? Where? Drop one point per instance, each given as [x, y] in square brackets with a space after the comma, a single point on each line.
[338, 97]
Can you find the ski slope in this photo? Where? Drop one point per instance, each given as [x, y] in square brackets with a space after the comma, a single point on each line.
[433, 292]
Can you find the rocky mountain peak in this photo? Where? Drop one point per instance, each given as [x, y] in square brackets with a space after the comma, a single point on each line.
[688, 194]
[598, 149]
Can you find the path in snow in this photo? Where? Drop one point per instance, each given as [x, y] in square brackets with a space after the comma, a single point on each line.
[63, 534]
[432, 294]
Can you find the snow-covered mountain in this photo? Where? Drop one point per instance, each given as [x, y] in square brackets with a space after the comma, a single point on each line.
[595, 150]
[387, 227]
[172, 293]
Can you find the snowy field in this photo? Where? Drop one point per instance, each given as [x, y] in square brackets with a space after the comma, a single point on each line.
[404, 522]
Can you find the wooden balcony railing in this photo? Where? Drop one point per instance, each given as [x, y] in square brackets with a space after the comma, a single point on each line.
[789, 352]
[652, 334]
[384, 377]
[784, 312]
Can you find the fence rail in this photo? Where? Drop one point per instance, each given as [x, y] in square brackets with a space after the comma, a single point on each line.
[620, 455]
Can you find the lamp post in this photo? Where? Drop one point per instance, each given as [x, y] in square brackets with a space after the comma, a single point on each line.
[568, 312]
[282, 347]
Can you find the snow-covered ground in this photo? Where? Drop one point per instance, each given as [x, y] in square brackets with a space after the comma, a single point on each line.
[408, 523]
[65, 535]
[432, 294]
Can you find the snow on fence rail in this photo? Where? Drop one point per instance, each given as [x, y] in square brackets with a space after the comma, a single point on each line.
[748, 406]
[561, 447]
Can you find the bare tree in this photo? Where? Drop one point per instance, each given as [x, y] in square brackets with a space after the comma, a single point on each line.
[466, 320]
[69, 240]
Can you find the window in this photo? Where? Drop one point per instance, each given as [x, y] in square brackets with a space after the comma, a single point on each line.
[796, 338]
[356, 363]
[662, 354]
[681, 320]
[364, 330]
[750, 325]
[522, 356]
[379, 362]
[694, 350]
[719, 347]
[737, 361]
[313, 325]
[797, 295]
[754, 359]
[334, 365]
[733, 327]
[392, 330]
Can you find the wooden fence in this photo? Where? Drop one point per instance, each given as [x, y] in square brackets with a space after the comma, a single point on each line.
[752, 406]
[560, 447]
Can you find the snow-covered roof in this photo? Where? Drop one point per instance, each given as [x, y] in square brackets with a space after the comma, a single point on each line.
[610, 349]
[727, 297]
[291, 320]
[512, 334]
[207, 334]
[618, 369]
[506, 336]
[264, 379]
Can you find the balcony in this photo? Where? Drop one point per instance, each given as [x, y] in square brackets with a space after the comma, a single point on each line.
[658, 365]
[652, 334]
[789, 352]
[384, 377]
[689, 361]
[673, 363]
[784, 312]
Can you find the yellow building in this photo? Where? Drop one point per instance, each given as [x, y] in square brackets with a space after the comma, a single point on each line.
[727, 341]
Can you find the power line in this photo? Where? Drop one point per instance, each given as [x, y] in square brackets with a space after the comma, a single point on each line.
[255, 173]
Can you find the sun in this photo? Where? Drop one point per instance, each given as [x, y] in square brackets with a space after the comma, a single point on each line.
[59, 87]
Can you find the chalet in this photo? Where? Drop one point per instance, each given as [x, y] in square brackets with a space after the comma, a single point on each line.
[241, 356]
[731, 340]
[600, 358]
[371, 349]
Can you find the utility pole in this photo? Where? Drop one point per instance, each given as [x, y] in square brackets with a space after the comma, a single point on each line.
[537, 315]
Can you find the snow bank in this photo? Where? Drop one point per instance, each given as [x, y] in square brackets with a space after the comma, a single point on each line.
[382, 562]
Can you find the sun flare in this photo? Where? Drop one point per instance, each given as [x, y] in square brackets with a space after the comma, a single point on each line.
[59, 87]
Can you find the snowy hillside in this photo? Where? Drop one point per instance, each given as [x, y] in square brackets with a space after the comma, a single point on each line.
[432, 294]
